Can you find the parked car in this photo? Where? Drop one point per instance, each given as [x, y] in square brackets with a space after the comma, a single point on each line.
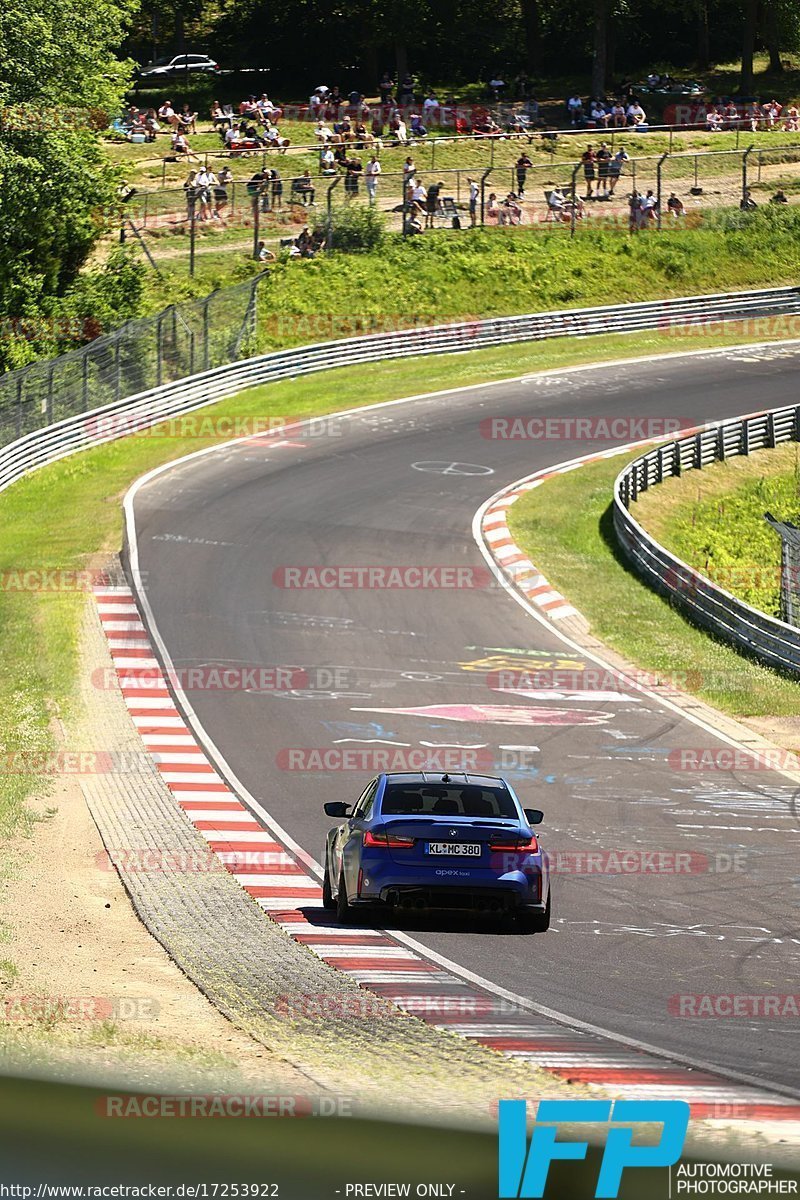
[178, 65]
[418, 841]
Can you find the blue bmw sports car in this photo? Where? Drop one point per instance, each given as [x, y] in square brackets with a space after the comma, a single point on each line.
[419, 841]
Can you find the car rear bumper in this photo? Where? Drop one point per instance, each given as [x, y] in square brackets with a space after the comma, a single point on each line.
[462, 897]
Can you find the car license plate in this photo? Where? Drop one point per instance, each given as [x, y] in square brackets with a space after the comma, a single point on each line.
[458, 849]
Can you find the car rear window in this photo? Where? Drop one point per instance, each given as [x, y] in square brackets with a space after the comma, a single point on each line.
[435, 800]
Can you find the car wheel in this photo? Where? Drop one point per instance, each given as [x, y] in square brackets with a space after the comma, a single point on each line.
[327, 892]
[344, 910]
[533, 922]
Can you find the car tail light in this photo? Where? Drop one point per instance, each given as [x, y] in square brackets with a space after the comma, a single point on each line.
[529, 847]
[387, 841]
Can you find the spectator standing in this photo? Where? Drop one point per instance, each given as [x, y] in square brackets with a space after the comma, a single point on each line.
[276, 187]
[351, 178]
[522, 167]
[616, 167]
[634, 211]
[603, 162]
[474, 192]
[432, 203]
[224, 179]
[588, 158]
[372, 172]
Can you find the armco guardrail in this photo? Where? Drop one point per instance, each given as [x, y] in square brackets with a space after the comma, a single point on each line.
[766, 638]
[144, 409]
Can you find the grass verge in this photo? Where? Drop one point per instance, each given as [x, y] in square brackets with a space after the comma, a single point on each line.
[565, 527]
[714, 520]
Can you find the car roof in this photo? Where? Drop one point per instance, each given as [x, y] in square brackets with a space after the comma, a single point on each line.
[456, 777]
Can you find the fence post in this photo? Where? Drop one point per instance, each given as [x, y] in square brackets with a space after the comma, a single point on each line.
[329, 214]
[20, 385]
[206, 360]
[118, 364]
[658, 189]
[192, 224]
[484, 177]
[85, 381]
[159, 361]
[573, 215]
[745, 157]
[256, 220]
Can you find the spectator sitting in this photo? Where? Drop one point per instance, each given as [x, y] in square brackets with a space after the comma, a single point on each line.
[747, 203]
[181, 146]
[653, 80]
[305, 243]
[791, 118]
[675, 207]
[248, 107]
[618, 115]
[274, 139]
[412, 224]
[251, 136]
[431, 105]
[492, 209]
[322, 133]
[512, 210]
[772, 111]
[187, 120]
[327, 161]
[219, 118]
[263, 254]
[714, 120]
[779, 197]
[731, 114]
[575, 110]
[419, 196]
[151, 125]
[754, 116]
[230, 136]
[305, 187]
[636, 114]
[598, 114]
[417, 128]
[167, 113]
[266, 108]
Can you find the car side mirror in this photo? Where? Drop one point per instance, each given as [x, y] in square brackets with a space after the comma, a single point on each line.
[534, 816]
[335, 808]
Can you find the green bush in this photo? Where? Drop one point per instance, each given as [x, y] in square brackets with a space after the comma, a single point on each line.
[356, 228]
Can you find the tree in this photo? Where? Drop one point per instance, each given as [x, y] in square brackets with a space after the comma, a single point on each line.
[747, 81]
[60, 83]
[602, 13]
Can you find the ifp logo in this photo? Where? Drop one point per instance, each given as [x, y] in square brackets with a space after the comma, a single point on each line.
[523, 1170]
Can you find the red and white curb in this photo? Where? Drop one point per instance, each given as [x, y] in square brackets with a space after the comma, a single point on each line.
[292, 897]
[515, 565]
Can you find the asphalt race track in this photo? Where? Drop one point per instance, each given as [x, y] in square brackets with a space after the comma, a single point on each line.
[214, 534]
